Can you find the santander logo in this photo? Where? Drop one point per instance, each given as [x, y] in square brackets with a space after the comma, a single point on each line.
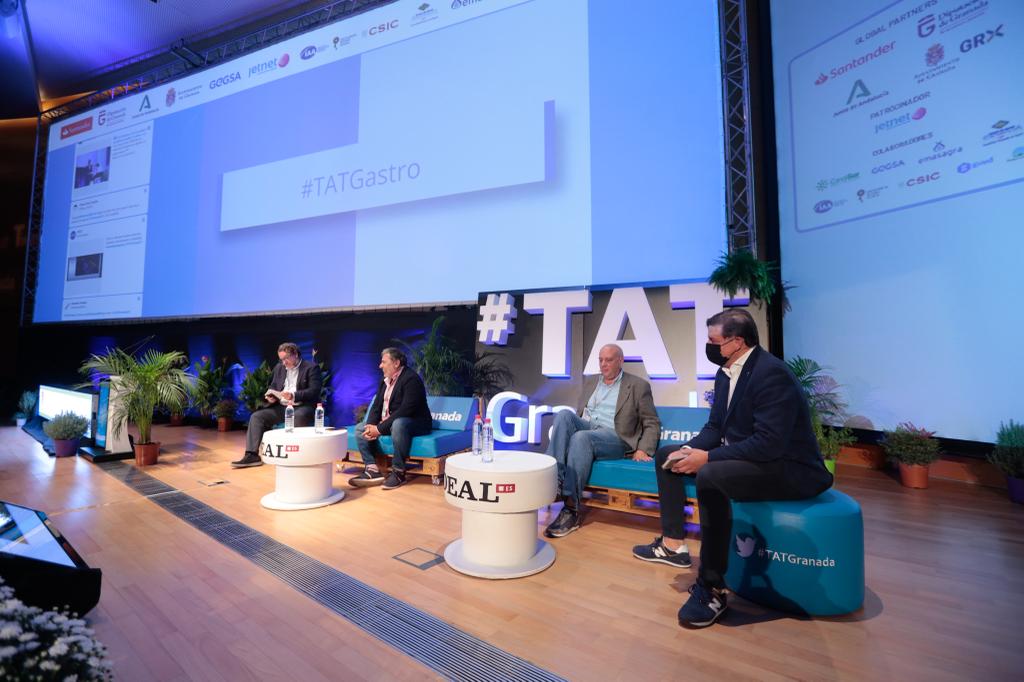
[820, 79]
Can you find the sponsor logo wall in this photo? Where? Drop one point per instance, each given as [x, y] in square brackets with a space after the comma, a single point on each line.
[924, 84]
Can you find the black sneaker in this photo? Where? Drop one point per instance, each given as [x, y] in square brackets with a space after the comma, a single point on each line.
[251, 459]
[659, 553]
[567, 521]
[704, 606]
[395, 478]
[366, 479]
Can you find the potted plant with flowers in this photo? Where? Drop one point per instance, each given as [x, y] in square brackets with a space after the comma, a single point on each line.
[1008, 455]
[914, 448]
[66, 430]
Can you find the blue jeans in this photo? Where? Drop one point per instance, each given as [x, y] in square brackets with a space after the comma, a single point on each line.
[402, 431]
[575, 444]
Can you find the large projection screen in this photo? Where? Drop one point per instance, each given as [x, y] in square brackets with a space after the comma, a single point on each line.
[417, 153]
[900, 136]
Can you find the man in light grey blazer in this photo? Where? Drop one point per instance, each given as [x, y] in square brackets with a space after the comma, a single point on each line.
[616, 420]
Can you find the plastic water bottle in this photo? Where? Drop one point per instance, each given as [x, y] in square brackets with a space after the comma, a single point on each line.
[319, 423]
[487, 442]
[478, 427]
[289, 418]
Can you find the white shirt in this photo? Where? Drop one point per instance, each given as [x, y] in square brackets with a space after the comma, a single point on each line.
[291, 380]
[733, 372]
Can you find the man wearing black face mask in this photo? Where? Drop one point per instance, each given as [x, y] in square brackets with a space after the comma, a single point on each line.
[758, 444]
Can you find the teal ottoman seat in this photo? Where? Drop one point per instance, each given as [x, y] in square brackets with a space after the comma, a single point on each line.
[804, 556]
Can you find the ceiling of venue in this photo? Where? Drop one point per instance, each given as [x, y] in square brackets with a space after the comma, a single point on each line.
[55, 49]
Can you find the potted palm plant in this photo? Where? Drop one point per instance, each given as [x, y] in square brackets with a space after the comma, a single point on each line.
[211, 380]
[224, 411]
[914, 448]
[66, 430]
[1008, 455]
[741, 270]
[147, 382]
[826, 405]
[438, 361]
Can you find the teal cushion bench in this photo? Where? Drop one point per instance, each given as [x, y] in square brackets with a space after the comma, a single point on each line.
[625, 485]
[451, 433]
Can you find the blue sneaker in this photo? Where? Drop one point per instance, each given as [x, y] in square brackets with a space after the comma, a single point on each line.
[704, 606]
[658, 552]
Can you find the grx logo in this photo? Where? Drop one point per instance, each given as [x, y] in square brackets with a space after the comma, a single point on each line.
[981, 39]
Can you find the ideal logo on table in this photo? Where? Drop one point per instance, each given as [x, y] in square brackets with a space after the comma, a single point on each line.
[279, 451]
[482, 493]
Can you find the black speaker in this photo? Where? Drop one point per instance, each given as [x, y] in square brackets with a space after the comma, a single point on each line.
[41, 565]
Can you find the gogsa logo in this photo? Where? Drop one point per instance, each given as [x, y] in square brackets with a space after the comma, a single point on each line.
[886, 167]
[224, 80]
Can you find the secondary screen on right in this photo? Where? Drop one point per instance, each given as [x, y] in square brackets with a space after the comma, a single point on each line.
[900, 141]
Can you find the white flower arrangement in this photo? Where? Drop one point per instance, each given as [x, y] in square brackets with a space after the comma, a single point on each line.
[47, 645]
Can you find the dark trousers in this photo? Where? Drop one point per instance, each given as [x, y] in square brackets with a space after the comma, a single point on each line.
[264, 419]
[403, 430]
[718, 483]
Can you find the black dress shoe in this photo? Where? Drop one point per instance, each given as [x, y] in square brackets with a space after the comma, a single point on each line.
[251, 459]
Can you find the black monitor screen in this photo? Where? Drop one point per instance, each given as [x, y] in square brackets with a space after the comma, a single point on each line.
[27, 533]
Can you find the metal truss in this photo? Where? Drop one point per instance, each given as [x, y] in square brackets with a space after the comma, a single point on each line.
[183, 59]
[739, 166]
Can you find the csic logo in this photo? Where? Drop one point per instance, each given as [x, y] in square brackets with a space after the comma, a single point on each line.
[922, 179]
[981, 39]
[744, 546]
[934, 54]
[858, 91]
[171, 97]
[225, 80]
[308, 52]
[381, 28]
[887, 167]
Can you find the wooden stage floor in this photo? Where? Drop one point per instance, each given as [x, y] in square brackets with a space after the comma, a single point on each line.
[944, 577]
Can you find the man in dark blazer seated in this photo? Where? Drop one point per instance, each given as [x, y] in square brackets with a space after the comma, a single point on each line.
[399, 410]
[758, 444]
[617, 420]
[296, 382]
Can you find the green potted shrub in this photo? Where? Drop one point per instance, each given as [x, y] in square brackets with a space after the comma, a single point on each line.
[1008, 455]
[147, 382]
[254, 386]
[224, 411]
[26, 406]
[741, 270]
[830, 441]
[211, 380]
[914, 449]
[66, 430]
